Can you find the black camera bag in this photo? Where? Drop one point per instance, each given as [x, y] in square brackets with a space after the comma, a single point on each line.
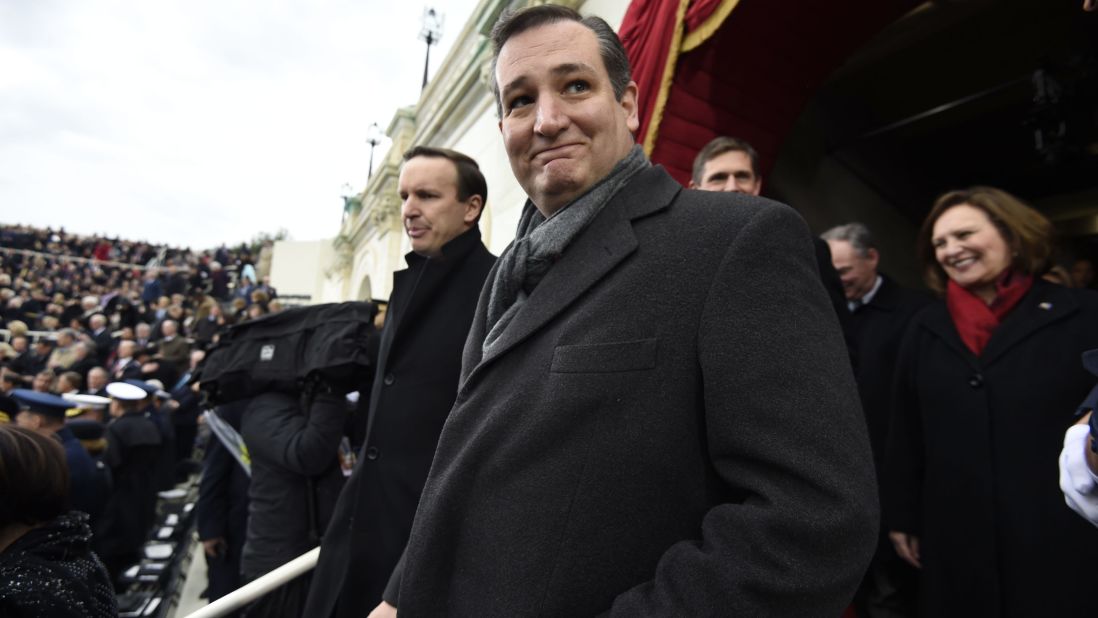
[281, 351]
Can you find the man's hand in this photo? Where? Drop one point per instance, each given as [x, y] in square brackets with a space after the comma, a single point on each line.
[383, 611]
[907, 546]
[215, 548]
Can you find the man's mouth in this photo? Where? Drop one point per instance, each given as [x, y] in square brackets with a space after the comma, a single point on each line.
[555, 152]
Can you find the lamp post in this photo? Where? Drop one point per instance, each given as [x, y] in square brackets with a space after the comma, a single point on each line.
[373, 138]
[431, 32]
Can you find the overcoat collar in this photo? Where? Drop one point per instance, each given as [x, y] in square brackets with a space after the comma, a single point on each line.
[423, 277]
[886, 298]
[594, 253]
[1043, 305]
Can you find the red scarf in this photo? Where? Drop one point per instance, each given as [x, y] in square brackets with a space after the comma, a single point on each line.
[974, 319]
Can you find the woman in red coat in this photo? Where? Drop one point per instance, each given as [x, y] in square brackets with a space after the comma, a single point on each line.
[987, 383]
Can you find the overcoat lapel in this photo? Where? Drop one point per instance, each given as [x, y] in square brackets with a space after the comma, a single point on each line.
[1043, 305]
[420, 284]
[885, 298]
[940, 323]
[594, 253]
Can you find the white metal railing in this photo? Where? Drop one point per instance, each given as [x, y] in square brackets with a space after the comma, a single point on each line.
[253, 590]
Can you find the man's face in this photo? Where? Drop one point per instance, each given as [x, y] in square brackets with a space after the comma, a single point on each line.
[28, 420]
[858, 273]
[143, 330]
[19, 344]
[42, 382]
[97, 379]
[562, 126]
[729, 171]
[430, 209]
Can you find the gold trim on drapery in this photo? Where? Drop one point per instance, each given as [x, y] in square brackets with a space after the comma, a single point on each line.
[710, 26]
[680, 44]
[665, 82]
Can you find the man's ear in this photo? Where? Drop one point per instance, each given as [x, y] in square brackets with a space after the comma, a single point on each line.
[473, 206]
[873, 257]
[629, 105]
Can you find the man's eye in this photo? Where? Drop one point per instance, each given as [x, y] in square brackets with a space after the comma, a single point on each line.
[577, 86]
[519, 101]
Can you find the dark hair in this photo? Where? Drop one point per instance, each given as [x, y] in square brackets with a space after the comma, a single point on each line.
[34, 478]
[611, 50]
[470, 181]
[857, 234]
[73, 378]
[719, 146]
[1027, 232]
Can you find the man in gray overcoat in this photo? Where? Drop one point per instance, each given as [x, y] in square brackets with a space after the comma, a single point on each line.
[656, 415]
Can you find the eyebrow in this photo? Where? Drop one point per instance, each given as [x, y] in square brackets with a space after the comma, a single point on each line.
[568, 68]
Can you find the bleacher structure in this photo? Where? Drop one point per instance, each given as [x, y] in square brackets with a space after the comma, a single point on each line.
[153, 586]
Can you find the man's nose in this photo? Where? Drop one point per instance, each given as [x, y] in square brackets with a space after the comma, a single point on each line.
[551, 117]
[732, 186]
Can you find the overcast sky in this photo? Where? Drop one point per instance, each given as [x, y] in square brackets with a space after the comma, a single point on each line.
[196, 122]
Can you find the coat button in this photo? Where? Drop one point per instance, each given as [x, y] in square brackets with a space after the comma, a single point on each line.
[372, 453]
[389, 379]
[976, 381]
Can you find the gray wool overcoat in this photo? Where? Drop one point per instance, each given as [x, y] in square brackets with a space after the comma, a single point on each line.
[669, 426]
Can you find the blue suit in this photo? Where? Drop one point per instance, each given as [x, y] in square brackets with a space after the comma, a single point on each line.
[87, 484]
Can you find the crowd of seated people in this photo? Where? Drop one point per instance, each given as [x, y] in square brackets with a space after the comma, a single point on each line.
[78, 313]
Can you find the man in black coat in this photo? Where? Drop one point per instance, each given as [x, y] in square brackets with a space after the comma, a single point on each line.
[133, 446]
[101, 337]
[879, 313]
[430, 309]
[222, 509]
[296, 479]
[656, 415]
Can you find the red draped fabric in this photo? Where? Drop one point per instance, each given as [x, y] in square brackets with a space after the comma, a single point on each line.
[752, 75]
[651, 32]
[648, 33]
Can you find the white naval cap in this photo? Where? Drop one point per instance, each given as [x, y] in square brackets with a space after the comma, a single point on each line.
[92, 402]
[125, 391]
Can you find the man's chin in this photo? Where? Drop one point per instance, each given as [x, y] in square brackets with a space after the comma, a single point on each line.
[558, 190]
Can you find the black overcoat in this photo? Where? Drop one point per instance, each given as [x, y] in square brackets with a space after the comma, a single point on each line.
[876, 330]
[430, 310]
[973, 459]
[133, 446]
[669, 426]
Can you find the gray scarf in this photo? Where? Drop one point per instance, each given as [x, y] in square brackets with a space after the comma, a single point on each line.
[539, 243]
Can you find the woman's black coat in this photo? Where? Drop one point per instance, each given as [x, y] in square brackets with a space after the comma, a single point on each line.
[973, 464]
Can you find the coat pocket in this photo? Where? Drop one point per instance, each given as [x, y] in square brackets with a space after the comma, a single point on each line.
[605, 357]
